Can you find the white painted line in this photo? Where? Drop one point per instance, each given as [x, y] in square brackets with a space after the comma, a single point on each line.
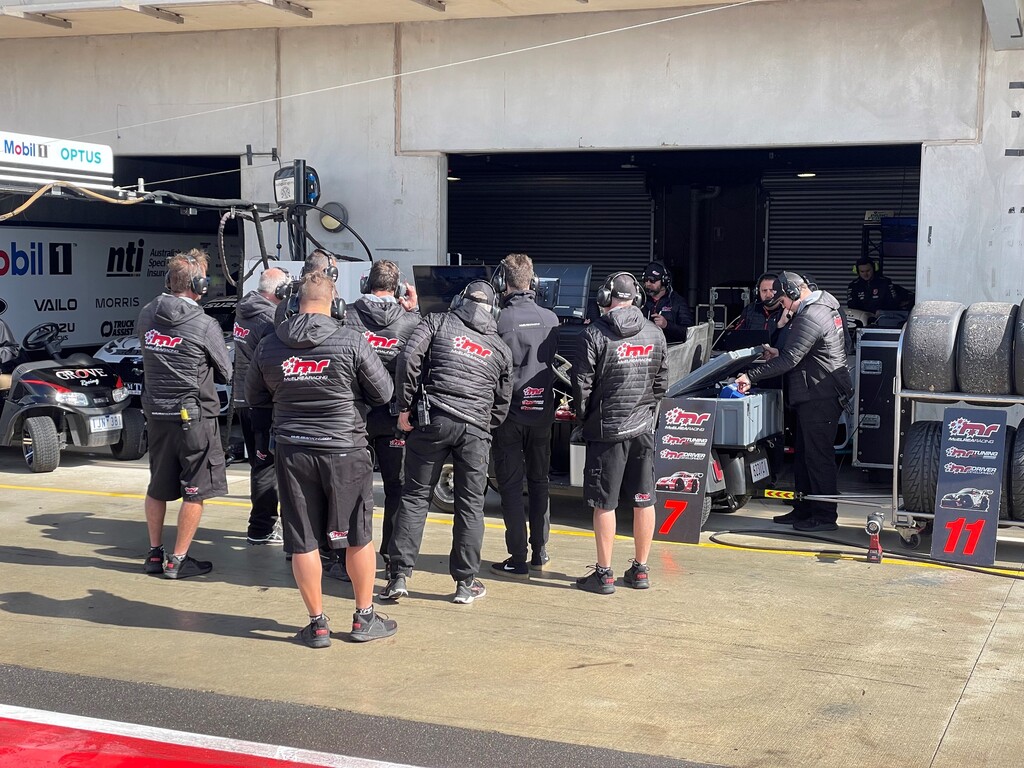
[235, 746]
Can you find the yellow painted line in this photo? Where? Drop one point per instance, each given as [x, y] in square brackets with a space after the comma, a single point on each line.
[587, 534]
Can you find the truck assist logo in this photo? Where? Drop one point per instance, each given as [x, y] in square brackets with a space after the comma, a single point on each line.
[17, 262]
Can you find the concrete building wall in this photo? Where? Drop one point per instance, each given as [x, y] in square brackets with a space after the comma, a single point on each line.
[818, 72]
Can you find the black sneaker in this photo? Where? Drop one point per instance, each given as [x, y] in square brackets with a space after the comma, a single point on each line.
[468, 590]
[787, 519]
[599, 580]
[813, 525]
[316, 634]
[155, 561]
[337, 570]
[372, 627]
[395, 588]
[512, 569]
[183, 566]
[540, 559]
[637, 575]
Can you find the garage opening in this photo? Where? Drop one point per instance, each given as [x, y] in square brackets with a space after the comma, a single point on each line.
[717, 218]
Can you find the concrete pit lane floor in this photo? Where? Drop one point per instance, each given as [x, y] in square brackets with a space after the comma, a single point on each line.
[733, 657]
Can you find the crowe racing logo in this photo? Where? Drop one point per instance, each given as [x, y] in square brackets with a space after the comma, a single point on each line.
[156, 340]
[628, 352]
[239, 332]
[963, 431]
[679, 418]
[296, 368]
[468, 348]
[380, 342]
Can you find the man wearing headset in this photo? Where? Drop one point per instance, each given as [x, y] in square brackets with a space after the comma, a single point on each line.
[386, 316]
[873, 292]
[320, 377]
[253, 315]
[765, 312]
[664, 307]
[619, 378]
[812, 356]
[522, 444]
[454, 378]
[183, 355]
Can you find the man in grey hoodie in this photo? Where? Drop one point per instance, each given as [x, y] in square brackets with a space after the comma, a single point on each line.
[183, 355]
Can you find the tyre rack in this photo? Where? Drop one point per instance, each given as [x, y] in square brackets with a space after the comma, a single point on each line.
[905, 522]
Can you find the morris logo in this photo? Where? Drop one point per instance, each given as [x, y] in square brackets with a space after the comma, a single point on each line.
[626, 350]
[963, 428]
[679, 416]
[239, 332]
[156, 339]
[379, 342]
[293, 366]
[533, 391]
[470, 346]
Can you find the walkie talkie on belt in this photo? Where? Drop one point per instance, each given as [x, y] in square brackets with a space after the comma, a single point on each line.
[189, 412]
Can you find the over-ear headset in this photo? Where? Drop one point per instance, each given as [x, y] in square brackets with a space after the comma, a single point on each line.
[788, 284]
[665, 277]
[606, 292]
[338, 307]
[401, 290]
[331, 270]
[774, 301]
[199, 284]
[462, 297]
[499, 279]
[285, 290]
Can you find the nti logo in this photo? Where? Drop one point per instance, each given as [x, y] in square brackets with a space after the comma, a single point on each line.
[126, 261]
[36, 259]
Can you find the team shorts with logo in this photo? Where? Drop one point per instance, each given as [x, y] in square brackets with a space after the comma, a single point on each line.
[185, 464]
[620, 470]
[326, 498]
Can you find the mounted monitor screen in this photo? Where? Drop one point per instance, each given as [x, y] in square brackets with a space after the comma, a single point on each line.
[563, 288]
[436, 286]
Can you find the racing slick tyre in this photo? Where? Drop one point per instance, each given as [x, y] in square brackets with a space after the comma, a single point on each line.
[705, 511]
[929, 346]
[1018, 353]
[443, 495]
[984, 356]
[40, 444]
[1015, 473]
[134, 440]
[919, 473]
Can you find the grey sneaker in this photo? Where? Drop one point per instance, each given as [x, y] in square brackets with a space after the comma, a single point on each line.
[183, 566]
[337, 570]
[316, 634]
[540, 559]
[274, 538]
[395, 588]
[600, 581]
[372, 627]
[469, 590]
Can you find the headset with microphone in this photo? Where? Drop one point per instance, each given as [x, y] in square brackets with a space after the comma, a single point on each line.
[459, 299]
[773, 302]
[499, 280]
[338, 307]
[788, 284]
[401, 289]
[657, 270]
[199, 284]
[607, 291]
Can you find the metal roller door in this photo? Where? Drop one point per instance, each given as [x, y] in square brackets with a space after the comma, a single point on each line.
[816, 225]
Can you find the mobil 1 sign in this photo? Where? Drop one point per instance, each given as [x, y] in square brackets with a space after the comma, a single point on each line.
[682, 457]
[969, 487]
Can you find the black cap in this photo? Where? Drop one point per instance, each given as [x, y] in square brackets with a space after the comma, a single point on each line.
[481, 292]
[655, 271]
[623, 287]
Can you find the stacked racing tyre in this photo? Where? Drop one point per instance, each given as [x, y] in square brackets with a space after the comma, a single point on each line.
[984, 359]
[930, 346]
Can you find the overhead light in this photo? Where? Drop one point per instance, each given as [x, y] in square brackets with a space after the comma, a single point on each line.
[806, 175]
[453, 177]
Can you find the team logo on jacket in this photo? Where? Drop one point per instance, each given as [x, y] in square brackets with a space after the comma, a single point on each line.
[239, 332]
[678, 418]
[533, 391]
[379, 342]
[627, 351]
[533, 399]
[297, 368]
[469, 348]
[837, 321]
[156, 340]
[642, 498]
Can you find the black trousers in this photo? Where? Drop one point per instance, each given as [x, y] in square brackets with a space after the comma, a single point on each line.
[523, 451]
[814, 458]
[390, 451]
[262, 478]
[426, 451]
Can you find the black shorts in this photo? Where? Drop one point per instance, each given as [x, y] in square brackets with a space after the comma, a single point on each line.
[326, 498]
[620, 470]
[185, 463]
